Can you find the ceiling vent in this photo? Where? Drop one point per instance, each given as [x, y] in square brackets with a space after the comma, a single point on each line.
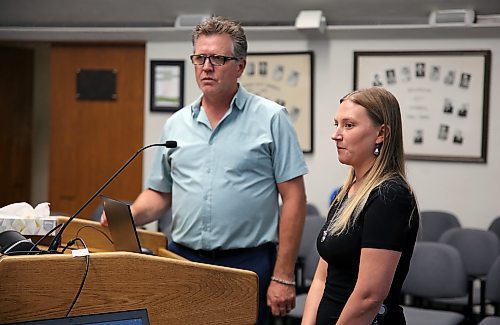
[454, 16]
[311, 21]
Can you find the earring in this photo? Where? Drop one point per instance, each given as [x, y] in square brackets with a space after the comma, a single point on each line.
[376, 151]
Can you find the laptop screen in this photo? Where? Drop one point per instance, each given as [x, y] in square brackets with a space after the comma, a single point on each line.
[121, 225]
[130, 317]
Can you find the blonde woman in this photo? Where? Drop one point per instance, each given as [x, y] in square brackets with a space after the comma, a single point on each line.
[368, 239]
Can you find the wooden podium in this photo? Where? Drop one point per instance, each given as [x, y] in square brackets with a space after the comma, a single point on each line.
[173, 291]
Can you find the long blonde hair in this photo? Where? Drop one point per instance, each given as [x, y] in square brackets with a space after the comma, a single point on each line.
[383, 109]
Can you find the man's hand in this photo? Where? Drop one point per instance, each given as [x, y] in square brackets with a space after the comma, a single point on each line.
[104, 220]
[281, 298]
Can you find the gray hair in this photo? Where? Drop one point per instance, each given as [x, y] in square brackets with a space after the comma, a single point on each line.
[223, 25]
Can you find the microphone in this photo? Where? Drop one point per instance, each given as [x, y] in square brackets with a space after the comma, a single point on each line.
[57, 238]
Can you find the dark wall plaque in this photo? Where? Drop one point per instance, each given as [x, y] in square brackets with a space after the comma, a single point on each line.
[96, 84]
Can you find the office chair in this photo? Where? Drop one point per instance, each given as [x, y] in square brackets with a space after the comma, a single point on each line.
[493, 293]
[495, 226]
[436, 270]
[307, 248]
[310, 266]
[434, 223]
[478, 249]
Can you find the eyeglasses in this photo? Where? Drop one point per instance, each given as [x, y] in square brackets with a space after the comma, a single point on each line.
[217, 60]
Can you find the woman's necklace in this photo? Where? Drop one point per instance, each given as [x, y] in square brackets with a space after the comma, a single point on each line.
[350, 191]
[325, 233]
[337, 208]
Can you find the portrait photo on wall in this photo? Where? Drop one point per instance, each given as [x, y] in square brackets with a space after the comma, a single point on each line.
[166, 85]
[443, 96]
[287, 79]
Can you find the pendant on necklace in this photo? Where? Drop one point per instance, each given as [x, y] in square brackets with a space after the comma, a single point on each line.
[325, 233]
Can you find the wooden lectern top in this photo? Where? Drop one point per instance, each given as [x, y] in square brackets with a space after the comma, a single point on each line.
[172, 291]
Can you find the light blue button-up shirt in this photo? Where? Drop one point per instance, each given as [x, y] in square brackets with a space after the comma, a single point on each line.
[223, 180]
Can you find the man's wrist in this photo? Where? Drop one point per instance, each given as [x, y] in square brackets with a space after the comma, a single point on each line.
[284, 282]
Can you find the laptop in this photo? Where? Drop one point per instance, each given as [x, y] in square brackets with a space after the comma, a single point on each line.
[121, 226]
[130, 317]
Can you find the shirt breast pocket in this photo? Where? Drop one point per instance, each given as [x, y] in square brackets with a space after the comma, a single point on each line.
[246, 157]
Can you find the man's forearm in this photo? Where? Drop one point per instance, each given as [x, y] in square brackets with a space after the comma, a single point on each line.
[290, 233]
[149, 206]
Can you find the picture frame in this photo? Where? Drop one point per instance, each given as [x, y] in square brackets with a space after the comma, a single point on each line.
[443, 98]
[166, 85]
[286, 78]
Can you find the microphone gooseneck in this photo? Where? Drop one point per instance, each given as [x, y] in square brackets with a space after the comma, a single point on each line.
[57, 238]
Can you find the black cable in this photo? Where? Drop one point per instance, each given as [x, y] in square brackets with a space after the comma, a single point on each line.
[69, 244]
[97, 229]
[30, 252]
[72, 242]
[45, 236]
[87, 262]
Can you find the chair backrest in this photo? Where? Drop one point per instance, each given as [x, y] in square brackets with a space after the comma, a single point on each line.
[493, 282]
[478, 248]
[436, 271]
[434, 223]
[312, 210]
[310, 264]
[308, 254]
[495, 226]
[490, 320]
[312, 227]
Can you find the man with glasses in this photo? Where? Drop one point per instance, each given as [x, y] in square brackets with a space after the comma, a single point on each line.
[237, 154]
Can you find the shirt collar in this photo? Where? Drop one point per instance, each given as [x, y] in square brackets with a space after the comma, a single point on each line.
[238, 101]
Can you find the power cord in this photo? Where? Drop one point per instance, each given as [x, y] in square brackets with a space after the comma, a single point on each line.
[96, 229]
[87, 262]
[68, 245]
[30, 252]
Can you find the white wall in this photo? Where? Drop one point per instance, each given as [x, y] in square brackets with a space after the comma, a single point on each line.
[469, 190]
